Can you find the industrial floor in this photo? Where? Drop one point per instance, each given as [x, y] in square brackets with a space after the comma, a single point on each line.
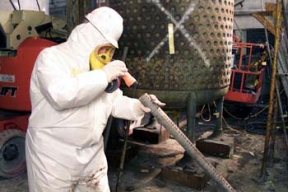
[142, 172]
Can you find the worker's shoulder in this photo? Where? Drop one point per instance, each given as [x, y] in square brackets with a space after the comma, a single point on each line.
[52, 51]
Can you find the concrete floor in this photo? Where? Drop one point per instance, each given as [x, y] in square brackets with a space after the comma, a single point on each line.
[142, 173]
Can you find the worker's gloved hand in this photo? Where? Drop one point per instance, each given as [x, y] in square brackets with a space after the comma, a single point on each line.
[114, 70]
[156, 101]
[141, 112]
[140, 109]
[140, 122]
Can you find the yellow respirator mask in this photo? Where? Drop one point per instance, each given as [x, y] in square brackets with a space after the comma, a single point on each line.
[102, 55]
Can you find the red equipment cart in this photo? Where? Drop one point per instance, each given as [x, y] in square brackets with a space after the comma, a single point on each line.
[247, 73]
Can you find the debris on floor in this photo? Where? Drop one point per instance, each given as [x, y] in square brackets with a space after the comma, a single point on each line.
[144, 172]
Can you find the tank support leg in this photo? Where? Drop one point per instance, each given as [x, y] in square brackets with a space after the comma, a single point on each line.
[218, 131]
[191, 113]
[217, 143]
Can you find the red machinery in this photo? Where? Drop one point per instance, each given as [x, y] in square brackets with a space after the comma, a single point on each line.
[247, 73]
[20, 44]
[14, 96]
[15, 74]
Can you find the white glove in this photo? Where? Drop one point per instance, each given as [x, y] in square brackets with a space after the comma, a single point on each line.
[114, 70]
[140, 109]
[156, 101]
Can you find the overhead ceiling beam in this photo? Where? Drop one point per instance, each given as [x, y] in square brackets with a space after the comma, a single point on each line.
[267, 18]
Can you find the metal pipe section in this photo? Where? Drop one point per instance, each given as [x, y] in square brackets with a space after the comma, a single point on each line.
[272, 88]
[191, 113]
[164, 120]
[273, 134]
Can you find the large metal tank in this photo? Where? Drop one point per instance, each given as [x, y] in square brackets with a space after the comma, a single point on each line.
[177, 48]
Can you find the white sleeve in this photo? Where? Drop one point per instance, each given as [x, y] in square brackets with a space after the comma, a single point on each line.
[127, 108]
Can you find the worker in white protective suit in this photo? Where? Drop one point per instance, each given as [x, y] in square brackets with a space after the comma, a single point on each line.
[64, 142]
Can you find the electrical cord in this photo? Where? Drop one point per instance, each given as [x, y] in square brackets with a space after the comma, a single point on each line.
[251, 115]
[255, 126]
[209, 113]
[258, 128]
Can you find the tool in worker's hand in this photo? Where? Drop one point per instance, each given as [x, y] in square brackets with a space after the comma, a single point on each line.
[129, 80]
[100, 57]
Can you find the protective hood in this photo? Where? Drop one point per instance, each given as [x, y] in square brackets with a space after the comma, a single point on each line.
[108, 22]
[83, 40]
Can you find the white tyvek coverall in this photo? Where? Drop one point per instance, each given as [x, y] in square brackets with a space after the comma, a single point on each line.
[64, 143]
